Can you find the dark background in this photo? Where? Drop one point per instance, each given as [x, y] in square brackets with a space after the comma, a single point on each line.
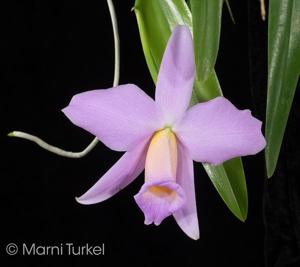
[55, 49]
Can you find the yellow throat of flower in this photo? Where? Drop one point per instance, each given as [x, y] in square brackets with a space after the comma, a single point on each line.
[161, 159]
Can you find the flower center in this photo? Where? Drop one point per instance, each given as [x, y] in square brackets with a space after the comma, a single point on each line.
[162, 191]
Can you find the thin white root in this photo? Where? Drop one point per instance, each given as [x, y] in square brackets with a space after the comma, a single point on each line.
[263, 12]
[70, 154]
[54, 149]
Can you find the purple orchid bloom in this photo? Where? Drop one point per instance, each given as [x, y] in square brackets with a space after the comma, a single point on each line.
[164, 136]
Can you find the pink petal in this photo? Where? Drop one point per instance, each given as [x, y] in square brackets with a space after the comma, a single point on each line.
[159, 200]
[127, 168]
[216, 131]
[186, 217]
[176, 75]
[120, 117]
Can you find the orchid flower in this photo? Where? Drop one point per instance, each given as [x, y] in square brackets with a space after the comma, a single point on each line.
[164, 136]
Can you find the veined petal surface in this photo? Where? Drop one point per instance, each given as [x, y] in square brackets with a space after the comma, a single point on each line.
[176, 75]
[120, 117]
[216, 131]
[126, 169]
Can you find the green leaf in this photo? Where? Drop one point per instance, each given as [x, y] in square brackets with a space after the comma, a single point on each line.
[207, 15]
[232, 189]
[208, 90]
[283, 73]
[156, 19]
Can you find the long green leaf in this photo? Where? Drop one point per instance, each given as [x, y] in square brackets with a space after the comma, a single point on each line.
[283, 73]
[230, 184]
[207, 16]
[156, 19]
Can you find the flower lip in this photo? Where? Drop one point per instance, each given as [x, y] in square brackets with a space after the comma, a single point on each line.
[159, 200]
